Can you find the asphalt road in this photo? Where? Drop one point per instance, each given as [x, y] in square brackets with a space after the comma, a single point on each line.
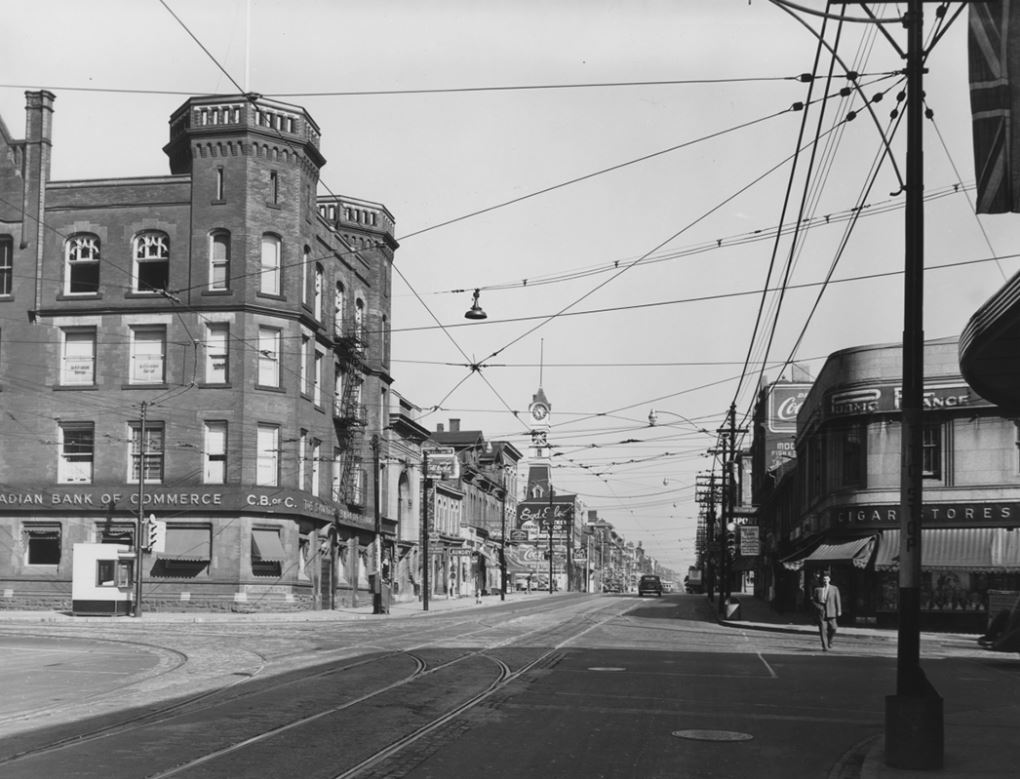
[571, 686]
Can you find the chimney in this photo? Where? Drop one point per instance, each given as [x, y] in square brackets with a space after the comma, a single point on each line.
[439, 427]
[454, 425]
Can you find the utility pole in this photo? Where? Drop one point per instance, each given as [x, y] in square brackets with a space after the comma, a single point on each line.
[426, 562]
[377, 592]
[502, 540]
[550, 535]
[570, 545]
[914, 735]
[140, 521]
[729, 502]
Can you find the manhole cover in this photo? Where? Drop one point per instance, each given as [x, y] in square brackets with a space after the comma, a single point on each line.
[712, 735]
[606, 668]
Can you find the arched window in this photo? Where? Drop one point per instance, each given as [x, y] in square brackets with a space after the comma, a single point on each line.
[338, 310]
[219, 260]
[81, 260]
[359, 320]
[306, 256]
[269, 276]
[317, 300]
[151, 261]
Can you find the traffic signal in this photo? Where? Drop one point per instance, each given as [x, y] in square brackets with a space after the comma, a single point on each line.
[155, 534]
[731, 542]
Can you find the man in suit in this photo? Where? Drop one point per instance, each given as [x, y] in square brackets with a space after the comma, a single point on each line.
[829, 608]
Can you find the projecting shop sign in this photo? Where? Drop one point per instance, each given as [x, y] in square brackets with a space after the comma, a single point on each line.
[442, 463]
[749, 546]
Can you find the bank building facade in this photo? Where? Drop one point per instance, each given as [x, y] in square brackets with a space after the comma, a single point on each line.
[201, 357]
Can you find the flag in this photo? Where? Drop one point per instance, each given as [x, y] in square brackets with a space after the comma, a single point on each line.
[993, 53]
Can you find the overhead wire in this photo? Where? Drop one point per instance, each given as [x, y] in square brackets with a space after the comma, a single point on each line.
[782, 217]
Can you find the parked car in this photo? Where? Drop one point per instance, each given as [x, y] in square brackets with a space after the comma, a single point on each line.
[649, 583]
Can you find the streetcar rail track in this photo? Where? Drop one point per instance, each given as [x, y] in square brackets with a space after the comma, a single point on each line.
[240, 687]
[505, 677]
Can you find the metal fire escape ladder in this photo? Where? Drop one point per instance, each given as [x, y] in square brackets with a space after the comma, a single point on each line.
[348, 413]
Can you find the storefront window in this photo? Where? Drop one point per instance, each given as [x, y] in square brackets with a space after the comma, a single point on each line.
[941, 591]
[42, 544]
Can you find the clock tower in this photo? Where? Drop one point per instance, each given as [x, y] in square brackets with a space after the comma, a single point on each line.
[539, 410]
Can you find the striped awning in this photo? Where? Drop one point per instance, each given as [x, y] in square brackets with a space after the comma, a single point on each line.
[187, 543]
[856, 551]
[979, 549]
[266, 546]
[795, 560]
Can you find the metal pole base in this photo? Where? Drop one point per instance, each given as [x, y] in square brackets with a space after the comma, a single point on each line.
[914, 735]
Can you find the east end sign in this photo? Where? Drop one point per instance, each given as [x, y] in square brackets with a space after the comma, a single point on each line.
[540, 511]
[155, 499]
[955, 514]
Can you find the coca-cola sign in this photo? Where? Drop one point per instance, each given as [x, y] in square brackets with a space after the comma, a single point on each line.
[784, 404]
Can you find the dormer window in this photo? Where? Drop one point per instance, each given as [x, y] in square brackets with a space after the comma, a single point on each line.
[151, 269]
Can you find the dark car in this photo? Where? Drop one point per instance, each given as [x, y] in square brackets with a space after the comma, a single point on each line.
[649, 583]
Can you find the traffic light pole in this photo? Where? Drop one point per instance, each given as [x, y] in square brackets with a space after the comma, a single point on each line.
[377, 592]
[426, 562]
[502, 541]
[550, 536]
[140, 519]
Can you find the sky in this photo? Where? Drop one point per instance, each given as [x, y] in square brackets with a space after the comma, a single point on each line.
[609, 174]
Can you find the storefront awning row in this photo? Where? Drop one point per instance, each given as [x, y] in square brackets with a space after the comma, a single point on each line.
[978, 549]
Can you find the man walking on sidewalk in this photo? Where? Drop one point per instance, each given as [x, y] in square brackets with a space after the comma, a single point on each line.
[829, 608]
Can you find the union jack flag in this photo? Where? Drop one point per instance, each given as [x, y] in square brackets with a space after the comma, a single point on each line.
[994, 60]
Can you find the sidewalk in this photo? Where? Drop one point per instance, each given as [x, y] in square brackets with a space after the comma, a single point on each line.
[408, 608]
[974, 747]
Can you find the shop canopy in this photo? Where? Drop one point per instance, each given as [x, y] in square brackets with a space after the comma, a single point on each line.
[856, 551]
[979, 549]
[191, 544]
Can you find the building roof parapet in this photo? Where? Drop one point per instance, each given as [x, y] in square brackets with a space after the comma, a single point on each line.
[251, 113]
[341, 211]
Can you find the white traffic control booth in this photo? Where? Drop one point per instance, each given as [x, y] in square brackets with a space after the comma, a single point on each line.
[102, 579]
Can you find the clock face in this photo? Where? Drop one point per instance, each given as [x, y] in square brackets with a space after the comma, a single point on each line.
[539, 411]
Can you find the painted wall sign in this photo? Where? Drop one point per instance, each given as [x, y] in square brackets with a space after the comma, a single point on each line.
[784, 404]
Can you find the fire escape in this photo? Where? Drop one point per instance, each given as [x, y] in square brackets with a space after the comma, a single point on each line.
[349, 346]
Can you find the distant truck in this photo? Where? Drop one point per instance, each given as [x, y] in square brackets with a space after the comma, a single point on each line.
[693, 581]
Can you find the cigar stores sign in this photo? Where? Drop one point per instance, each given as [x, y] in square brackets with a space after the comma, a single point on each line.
[933, 514]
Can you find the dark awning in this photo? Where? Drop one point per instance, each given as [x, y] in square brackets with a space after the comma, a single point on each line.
[187, 543]
[266, 546]
[856, 551]
[979, 549]
[795, 560]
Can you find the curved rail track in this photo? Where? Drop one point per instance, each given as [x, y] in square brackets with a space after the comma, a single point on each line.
[410, 686]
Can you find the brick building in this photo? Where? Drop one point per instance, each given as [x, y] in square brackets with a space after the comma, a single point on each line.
[209, 347]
